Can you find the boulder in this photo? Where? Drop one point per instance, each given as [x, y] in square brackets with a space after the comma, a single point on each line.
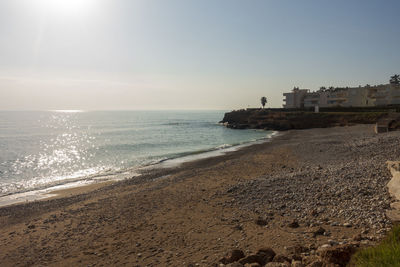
[262, 257]
[339, 255]
[232, 256]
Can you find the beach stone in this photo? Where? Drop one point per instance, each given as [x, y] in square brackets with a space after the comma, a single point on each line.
[297, 249]
[316, 263]
[277, 264]
[261, 257]
[340, 255]
[261, 221]
[267, 253]
[234, 264]
[294, 224]
[357, 237]
[281, 258]
[332, 242]
[297, 264]
[324, 246]
[232, 256]
[319, 231]
[238, 227]
[253, 259]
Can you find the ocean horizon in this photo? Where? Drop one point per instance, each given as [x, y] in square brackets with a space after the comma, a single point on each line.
[42, 149]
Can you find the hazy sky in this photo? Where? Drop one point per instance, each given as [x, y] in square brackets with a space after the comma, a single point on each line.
[170, 54]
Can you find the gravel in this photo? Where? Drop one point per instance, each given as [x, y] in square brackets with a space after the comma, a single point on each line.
[340, 179]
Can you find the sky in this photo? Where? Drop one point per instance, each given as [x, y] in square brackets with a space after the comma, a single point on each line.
[186, 54]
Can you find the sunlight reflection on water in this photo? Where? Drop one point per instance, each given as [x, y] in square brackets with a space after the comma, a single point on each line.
[44, 148]
[62, 155]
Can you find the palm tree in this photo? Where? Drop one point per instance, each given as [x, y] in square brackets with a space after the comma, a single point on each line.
[395, 79]
[263, 101]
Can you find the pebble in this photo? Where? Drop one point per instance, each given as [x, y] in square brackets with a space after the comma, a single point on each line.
[330, 185]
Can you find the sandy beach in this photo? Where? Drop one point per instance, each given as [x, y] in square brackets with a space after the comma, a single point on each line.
[304, 189]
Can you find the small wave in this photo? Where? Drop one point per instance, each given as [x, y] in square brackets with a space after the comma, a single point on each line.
[223, 146]
[176, 123]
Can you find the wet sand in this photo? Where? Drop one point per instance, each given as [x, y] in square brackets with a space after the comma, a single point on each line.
[194, 213]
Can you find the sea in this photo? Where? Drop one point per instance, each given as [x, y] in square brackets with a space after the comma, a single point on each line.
[48, 149]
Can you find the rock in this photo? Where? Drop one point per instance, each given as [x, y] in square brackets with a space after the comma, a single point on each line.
[332, 242]
[232, 256]
[238, 227]
[357, 237]
[319, 231]
[296, 257]
[347, 224]
[261, 257]
[261, 221]
[277, 264]
[267, 253]
[314, 213]
[297, 264]
[281, 258]
[234, 264]
[295, 250]
[339, 255]
[253, 259]
[294, 224]
[325, 246]
[316, 263]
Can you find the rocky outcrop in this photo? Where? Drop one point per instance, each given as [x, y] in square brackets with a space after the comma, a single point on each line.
[325, 256]
[394, 190]
[281, 120]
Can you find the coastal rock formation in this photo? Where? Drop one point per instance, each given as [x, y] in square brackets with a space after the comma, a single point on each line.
[327, 256]
[282, 120]
[394, 190]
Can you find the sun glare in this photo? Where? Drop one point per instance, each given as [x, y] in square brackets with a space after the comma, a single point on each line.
[68, 110]
[66, 7]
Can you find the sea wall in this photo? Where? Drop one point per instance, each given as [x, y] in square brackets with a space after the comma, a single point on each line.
[282, 120]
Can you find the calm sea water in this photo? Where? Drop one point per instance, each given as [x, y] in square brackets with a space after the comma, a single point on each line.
[41, 149]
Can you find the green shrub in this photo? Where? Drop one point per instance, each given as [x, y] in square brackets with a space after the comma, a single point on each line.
[387, 253]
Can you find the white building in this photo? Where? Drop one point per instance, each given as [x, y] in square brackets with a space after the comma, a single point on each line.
[295, 99]
[359, 97]
[367, 96]
[385, 95]
[313, 99]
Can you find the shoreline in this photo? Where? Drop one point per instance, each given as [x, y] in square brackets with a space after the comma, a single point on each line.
[198, 211]
[96, 180]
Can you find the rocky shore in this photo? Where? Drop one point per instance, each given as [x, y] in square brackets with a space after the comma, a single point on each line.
[308, 198]
[339, 183]
[284, 119]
